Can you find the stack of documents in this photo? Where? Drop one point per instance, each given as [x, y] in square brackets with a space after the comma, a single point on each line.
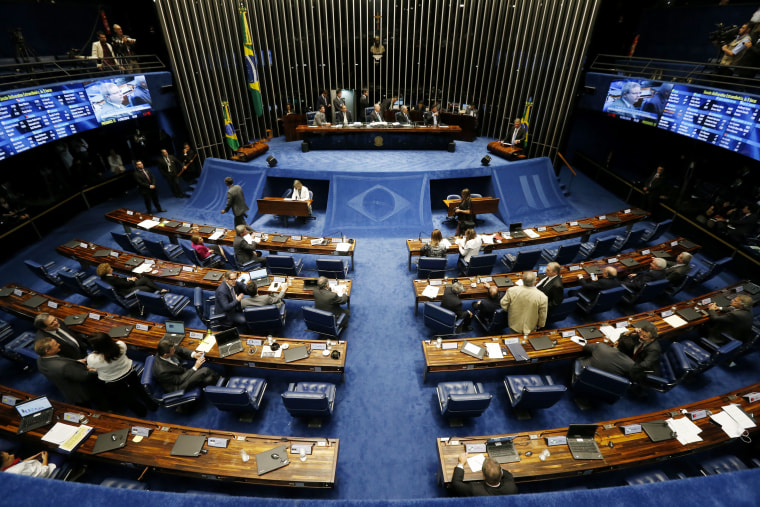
[612, 333]
[205, 345]
[148, 224]
[217, 234]
[733, 420]
[431, 291]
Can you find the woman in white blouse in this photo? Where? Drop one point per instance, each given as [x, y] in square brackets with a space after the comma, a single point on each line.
[300, 193]
[109, 359]
[33, 466]
[469, 245]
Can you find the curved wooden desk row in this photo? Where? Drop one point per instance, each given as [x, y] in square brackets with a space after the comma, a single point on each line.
[130, 219]
[507, 152]
[147, 338]
[569, 273]
[547, 233]
[626, 451]
[189, 276]
[283, 207]
[217, 463]
[441, 359]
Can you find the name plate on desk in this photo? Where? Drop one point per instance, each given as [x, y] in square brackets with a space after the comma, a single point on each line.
[187, 269]
[141, 327]
[318, 346]
[130, 213]
[253, 342]
[296, 238]
[508, 341]
[752, 397]
[9, 400]
[52, 304]
[627, 211]
[218, 442]
[622, 323]
[450, 346]
[697, 414]
[73, 417]
[195, 335]
[94, 316]
[141, 431]
[541, 229]
[574, 268]
[559, 440]
[602, 217]
[612, 260]
[17, 292]
[706, 301]
[666, 313]
[645, 252]
[573, 224]
[630, 429]
[568, 334]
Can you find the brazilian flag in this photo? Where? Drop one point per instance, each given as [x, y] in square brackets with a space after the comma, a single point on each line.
[250, 65]
[526, 115]
[229, 131]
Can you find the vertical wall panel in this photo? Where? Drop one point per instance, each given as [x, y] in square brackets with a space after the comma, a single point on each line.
[495, 54]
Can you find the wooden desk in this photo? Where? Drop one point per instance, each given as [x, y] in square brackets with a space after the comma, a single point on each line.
[377, 137]
[440, 360]
[221, 464]
[629, 450]
[148, 340]
[569, 273]
[250, 151]
[480, 205]
[189, 276]
[282, 206]
[507, 152]
[547, 234]
[130, 219]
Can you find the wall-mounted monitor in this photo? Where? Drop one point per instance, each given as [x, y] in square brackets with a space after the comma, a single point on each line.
[119, 98]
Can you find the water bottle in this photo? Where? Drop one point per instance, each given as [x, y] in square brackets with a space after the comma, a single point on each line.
[302, 454]
[244, 456]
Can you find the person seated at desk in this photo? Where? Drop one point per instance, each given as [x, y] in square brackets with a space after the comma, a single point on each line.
[590, 288]
[452, 302]
[229, 295]
[485, 308]
[403, 116]
[734, 320]
[172, 376]
[678, 269]
[469, 245]
[464, 214]
[33, 466]
[327, 300]
[655, 272]
[635, 354]
[432, 117]
[496, 480]
[344, 117]
[263, 299]
[436, 247]
[125, 285]
[320, 118]
[204, 251]
[552, 286]
[246, 252]
[516, 135]
[300, 192]
[376, 115]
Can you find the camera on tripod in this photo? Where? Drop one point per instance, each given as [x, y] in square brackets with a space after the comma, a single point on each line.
[724, 34]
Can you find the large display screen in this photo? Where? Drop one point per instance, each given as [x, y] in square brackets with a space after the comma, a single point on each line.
[32, 117]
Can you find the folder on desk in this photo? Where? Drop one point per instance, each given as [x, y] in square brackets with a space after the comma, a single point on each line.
[35, 301]
[102, 253]
[503, 281]
[541, 342]
[188, 445]
[658, 430]
[72, 244]
[585, 225]
[689, 314]
[184, 229]
[560, 228]
[110, 441]
[207, 230]
[518, 351]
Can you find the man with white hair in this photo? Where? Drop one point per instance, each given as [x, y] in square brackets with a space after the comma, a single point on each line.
[655, 272]
[526, 306]
[677, 271]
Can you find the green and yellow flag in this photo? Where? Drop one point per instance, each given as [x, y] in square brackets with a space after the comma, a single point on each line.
[250, 65]
[524, 120]
[229, 131]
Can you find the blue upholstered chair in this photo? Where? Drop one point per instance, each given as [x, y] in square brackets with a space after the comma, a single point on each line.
[310, 117]
[168, 304]
[462, 398]
[722, 465]
[324, 322]
[600, 247]
[528, 392]
[81, 283]
[206, 310]
[451, 197]
[265, 318]
[431, 267]
[596, 384]
[159, 250]
[712, 269]
[5, 331]
[523, 261]
[700, 358]
[441, 320]
[630, 239]
[243, 266]
[731, 349]
[650, 290]
[168, 400]
[241, 394]
[650, 477]
[562, 310]
[20, 349]
[687, 280]
[563, 255]
[479, 265]
[310, 399]
[119, 483]
[212, 261]
[494, 325]
[332, 268]
[130, 242]
[284, 265]
[602, 302]
[675, 367]
[654, 231]
[48, 272]
[128, 302]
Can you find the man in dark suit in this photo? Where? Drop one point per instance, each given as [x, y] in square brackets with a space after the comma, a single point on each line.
[338, 102]
[170, 166]
[125, 285]
[452, 302]
[635, 354]
[364, 100]
[654, 188]
[496, 481]
[343, 117]
[387, 104]
[228, 296]
[146, 185]
[485, 308]
[236, 201]
[375, 115]
[172, 376]
[327, 300]
[551, 285]
[245, 252]
[78, 385]
[191, 166]
[655, 272]
[677, 271]
[324, 100]
[403, 116]
[590, 288]
[516, 134]
[432, 117]
[72, 345]
[734, 320]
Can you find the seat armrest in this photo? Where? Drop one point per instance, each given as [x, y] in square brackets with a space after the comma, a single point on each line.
[168, 397]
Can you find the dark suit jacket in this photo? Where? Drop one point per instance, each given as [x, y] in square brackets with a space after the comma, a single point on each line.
[337, 102]
[143, 182]
[325, 299]
[637, 282]
[452, 302]
[520, 136]
[554, 290]
[427, 118]
[324, 101]
[121, 284]
[244, 252]
[480, 488]
[169, 376]
[607, 358]
[71, 377]
[403, 118]
[676, 273]
[590, 289]
[647, 360]
[225, 302]
[487, 307]
[736, 323]
[376, 116]
[68, 350]
[339, 117]
[236, 200]
[171, 169]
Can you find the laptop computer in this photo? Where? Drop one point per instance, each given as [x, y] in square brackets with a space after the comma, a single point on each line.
[296, 353]
[272, 459]
[110, 441]
[170, 271]
[134, 261]
[119, 331]
[6, 292]
[188, 445]
[542, 269]
[661, 254]
[751, 288]
[207, 230]
[34, 414]
[689, 314]
[73, 320]
[613, 218]
[279, 239]
[260, 277]
[175, 332]
[515, 230]
[229, 342]
[503, 281]
[593, 270]
[473, 350]
[658, 430]
[310, 283]
[590, 332]
[502, 450]
[580, 440]
[35, 301]
[541, 342]
[72, 244]
[184, 229]
[172, 224]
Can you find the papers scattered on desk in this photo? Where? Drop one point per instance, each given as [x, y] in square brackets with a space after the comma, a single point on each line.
[494, 350]
[431, 291]
[343, 247]
[205, 345]
[217, 234]
[266, 351]
[340, 290]
[686, 431]
[59, 433]
[476, 462]
[445, 243]
[145, 267]
[612, 333]
[487, 239]
[274, 286]
[738, 415]
[518, 281]
[148, 224]
[675, 321]
[727, 423]
[531, 233]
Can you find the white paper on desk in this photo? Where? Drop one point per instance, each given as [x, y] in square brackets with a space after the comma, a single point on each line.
[340, 290]
[476, 462]
[148, 224]
[675, 321]
[739, 416]
[445, 243]
[487, 239]
[266, 351]
[248, 239]
[431, 291]
[459, 241]
[450, 346]
[518, 281]
[531, 233]
[494, 350]
[612, 333]
[143, 268]
[59, 433]
[727, 423]
[206, 344]
[577, 339]
[686, 431]
[343, 247]
[217, 234]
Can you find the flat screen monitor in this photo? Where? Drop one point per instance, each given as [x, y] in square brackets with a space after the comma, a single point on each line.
[119, 98]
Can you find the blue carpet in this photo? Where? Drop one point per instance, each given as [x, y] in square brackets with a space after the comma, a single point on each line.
[385, 416]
